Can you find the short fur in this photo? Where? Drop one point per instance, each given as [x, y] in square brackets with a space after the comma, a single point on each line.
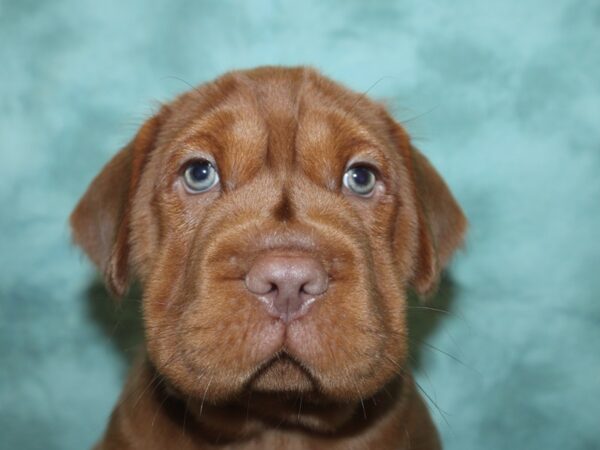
[218, 372]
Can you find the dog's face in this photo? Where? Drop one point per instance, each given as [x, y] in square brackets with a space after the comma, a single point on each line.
[275, 221]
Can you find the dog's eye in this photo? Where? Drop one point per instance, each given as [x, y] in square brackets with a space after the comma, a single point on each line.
[360, 180]
[200, 176]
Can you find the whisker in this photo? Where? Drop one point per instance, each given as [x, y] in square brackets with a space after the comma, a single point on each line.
[426, 374]
[204, 396]
[364, 94]
[440, 411]
[429, 308]
[156, 377]
[300, 407]
[360, 396]
[173, 77]
[449, 355]
[418, 116]
[431, 400]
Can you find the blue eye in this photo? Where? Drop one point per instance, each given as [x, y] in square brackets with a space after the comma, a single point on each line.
[200, 176]
[360, 180]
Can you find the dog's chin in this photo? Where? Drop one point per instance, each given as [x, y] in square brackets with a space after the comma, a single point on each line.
[280, 375]
[284, 375]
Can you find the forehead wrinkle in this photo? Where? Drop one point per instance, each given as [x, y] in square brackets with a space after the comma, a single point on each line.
[299, 107]
[207, 130]
[357, 107]
[232, 134]
[352, 124]
[278, 102]
[352, 138]
[243, 136]
[314, 144]
[221, 99]
[349, 127]
[329, 139]
[245, 149]
[207, 98]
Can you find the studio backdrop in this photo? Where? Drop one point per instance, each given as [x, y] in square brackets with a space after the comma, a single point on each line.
[503, 97]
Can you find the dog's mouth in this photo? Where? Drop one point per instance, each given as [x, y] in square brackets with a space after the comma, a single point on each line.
[282, 373]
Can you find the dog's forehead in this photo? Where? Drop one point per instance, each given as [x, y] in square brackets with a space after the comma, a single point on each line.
[281, 119]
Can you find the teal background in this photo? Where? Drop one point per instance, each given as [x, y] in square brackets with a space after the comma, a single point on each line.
[504, 97]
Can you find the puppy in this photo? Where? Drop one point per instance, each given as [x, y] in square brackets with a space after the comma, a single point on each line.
[275, 221]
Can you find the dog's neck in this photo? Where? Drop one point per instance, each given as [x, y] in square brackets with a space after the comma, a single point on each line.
[251, 414]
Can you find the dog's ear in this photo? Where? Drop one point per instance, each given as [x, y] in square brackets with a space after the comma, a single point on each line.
[100, 221]
[442, 224]
[440, 221]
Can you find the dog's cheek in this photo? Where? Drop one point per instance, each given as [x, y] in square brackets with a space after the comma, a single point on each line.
[393, 240]
[162, 304]
[368, 333]
[145, 224]
[393, 305]
[166, 298]
[391, 282]
[339, 337]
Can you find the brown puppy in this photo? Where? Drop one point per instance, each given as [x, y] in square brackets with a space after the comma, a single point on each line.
[275, 220]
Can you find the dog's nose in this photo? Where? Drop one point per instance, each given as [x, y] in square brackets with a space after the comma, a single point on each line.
[287, 284]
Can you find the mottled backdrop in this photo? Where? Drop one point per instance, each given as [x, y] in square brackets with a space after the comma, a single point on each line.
[504, 97]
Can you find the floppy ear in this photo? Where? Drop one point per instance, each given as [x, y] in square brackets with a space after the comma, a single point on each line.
[100, 221]
[442, 224]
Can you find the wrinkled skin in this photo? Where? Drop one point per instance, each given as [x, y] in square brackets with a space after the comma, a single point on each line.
[281, 140]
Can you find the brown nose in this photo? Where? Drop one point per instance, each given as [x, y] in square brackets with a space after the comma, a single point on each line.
[287, 284]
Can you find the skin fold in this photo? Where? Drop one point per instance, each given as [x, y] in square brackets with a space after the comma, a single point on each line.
[225, 365]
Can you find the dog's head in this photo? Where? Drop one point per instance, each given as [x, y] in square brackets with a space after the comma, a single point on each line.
[275, 221]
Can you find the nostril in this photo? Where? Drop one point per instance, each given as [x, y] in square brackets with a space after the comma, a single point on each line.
[317, 285]
[258, 284]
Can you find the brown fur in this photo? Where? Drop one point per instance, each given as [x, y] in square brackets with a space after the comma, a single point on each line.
[218, 371]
